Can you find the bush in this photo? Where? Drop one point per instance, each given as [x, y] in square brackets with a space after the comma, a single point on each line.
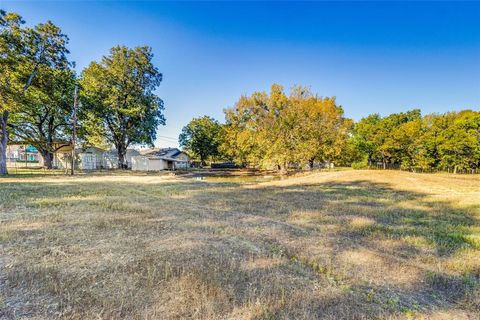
[363, 164]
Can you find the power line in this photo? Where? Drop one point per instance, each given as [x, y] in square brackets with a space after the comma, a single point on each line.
[168, 138]
[167, 141]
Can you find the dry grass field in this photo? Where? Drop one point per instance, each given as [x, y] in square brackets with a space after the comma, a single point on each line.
[328, 245]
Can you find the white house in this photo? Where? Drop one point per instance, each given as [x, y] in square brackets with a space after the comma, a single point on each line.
[92, 158]
[160, 159]
[110, 158]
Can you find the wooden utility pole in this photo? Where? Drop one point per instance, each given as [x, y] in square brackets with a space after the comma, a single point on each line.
[74, 129]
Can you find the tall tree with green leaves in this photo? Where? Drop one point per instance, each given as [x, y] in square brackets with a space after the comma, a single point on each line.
[405, 144]
[202, 138]
[24, 52]
[44, 119]
[386, 136]
[119, 100]
[364, 134]
[459, 143]
[427, 155]
[379, 138]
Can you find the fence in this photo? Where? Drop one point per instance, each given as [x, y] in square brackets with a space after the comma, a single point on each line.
[380, 166]
[30, 168]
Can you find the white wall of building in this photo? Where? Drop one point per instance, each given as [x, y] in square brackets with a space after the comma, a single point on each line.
[143, 163]
[88, 161]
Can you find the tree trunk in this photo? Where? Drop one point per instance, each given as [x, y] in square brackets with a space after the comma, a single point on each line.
[47, 159]
[3, 126]
[283, 168]
[3, 159]
[384, 164]
[121, 157]
[3, 143]
[310, 163]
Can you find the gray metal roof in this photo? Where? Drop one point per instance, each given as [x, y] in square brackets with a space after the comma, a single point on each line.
[165, 153]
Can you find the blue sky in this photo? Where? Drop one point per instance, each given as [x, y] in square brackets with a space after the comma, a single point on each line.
[373, 56]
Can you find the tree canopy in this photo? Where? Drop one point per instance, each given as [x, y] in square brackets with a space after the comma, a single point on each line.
[276, 130]
[449, 141]
[202, 138]
[24, 53]
[119, 100]
[300, 129]
[44, 119]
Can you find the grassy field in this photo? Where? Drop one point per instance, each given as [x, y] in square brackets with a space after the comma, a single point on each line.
[331, 245]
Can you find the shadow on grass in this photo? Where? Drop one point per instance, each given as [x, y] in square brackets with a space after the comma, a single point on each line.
[441, 224]
[238, 223]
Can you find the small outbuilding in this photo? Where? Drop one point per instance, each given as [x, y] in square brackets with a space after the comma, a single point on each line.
[89, 158]
[160, 159]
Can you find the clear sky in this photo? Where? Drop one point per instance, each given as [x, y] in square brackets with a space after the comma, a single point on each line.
[373, 56]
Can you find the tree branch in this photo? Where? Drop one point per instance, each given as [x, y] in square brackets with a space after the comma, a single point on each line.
[60, 147]
[30, 78]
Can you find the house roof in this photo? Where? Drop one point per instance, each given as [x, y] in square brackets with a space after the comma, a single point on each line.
[129, 152]
[162, 153]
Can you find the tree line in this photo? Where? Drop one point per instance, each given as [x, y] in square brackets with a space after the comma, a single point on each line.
[408, 140]
[277, 130]
[117, 106]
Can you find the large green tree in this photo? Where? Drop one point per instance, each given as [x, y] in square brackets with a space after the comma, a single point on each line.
[459, 142]
[119, 100]
[388, 135]
[44, 118]
[405, 144]
[24, 51]
[363, 138]
[202, 137]
[381, 139]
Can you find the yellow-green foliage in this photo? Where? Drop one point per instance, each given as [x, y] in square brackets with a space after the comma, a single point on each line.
[275, 129]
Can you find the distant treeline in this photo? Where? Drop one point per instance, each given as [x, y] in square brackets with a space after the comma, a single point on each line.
[276, 130]
[449, 141]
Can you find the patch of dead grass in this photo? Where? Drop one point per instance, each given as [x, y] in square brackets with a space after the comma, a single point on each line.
[346, 244]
